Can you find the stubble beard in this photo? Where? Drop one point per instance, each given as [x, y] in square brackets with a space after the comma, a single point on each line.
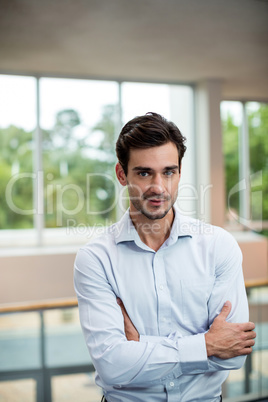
[150, 215]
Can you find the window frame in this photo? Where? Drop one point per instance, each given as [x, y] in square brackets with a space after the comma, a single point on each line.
[245, 221]
[36, 235]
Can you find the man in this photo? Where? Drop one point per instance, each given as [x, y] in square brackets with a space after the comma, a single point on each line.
[161, 296]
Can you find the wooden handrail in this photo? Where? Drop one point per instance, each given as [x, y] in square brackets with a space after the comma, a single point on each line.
[42, 305]
[72, 302]
[255, 283]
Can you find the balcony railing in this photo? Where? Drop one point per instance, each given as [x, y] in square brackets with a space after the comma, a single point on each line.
[43, 356]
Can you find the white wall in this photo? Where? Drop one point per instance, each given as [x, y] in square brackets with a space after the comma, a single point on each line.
[50, 276]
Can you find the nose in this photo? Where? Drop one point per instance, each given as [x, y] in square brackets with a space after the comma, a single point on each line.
[157, 184]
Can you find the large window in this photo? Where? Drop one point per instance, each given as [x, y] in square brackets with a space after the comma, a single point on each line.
[78, 120]
[245, 135]
[57, 152]
[17, 124]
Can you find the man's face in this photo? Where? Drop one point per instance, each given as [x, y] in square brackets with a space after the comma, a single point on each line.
[153, 178]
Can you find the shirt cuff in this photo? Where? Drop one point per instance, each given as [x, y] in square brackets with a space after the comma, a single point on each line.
[193, 354]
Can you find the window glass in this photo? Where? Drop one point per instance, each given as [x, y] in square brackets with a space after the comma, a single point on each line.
[75, 387]
[65, 345]
[257, 114]
[78, 121]
[20, 346]
[231, 114]
[245, 148]
[251, 379]
[18, 390]
[140, 98]
[17, 124]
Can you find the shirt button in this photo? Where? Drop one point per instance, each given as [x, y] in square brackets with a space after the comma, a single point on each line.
[161, 287]
[171, 384]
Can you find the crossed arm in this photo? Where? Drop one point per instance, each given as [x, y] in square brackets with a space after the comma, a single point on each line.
[224, 339]
[112, 339]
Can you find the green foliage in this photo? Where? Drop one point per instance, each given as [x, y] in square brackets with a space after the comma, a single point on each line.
[107, 126]
[79, 179]
[70, 189]
[15, 160]
[258, 144]
[75, 176]
[230, 150]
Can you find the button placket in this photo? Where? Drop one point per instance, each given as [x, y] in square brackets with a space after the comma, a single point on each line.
[164, 302]
[173, 390]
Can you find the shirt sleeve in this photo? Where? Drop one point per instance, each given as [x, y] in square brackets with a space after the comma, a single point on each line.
[119, 361]
[229, 285]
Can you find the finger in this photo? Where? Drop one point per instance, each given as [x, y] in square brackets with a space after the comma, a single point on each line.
[225, 310]
[119, 301]
[247, 327]
[245, 351]
[251, 326]
[121, 304]
[250, 335]
[124, 311]
[249, 343]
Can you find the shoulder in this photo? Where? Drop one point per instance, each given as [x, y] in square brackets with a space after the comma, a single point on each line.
[224, 247]
[205, 231]
[216, 239]
[99, 249]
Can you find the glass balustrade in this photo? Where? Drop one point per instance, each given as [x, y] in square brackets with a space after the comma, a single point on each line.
[44, 357]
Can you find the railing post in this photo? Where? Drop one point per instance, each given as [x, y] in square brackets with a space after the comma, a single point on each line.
[248, 369]
[46, 380]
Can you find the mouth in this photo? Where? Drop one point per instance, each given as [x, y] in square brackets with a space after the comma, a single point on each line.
[156, 201]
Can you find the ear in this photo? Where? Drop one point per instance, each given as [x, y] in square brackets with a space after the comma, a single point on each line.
[120, 174]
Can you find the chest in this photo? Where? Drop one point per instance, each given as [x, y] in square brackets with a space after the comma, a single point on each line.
[164, 291]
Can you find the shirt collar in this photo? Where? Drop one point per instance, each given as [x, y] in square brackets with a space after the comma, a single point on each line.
[182, 225]
[124, 230]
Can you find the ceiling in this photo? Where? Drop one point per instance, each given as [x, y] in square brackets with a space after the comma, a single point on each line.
[154, 40]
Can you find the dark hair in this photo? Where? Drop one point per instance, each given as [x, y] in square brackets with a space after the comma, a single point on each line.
[149, 130]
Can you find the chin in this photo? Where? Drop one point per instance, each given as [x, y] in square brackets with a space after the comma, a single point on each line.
[156, 215]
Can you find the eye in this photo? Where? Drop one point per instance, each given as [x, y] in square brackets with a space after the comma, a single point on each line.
[169, 172]
[143, 174]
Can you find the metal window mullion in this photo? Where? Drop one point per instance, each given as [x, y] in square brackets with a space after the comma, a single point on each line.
[244, 167]
[119, 121]
[38, 172]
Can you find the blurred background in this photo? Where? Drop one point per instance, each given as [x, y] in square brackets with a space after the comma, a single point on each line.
[72, 72]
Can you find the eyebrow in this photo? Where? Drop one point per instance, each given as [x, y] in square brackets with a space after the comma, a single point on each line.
[148, 169]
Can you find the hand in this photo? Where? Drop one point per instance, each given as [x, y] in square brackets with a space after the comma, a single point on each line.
[226, 340]
[130, 330]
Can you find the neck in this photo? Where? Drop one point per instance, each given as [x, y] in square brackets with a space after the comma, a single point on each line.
[153, 233]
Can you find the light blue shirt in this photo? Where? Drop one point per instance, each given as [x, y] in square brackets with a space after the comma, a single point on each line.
[172, 297]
